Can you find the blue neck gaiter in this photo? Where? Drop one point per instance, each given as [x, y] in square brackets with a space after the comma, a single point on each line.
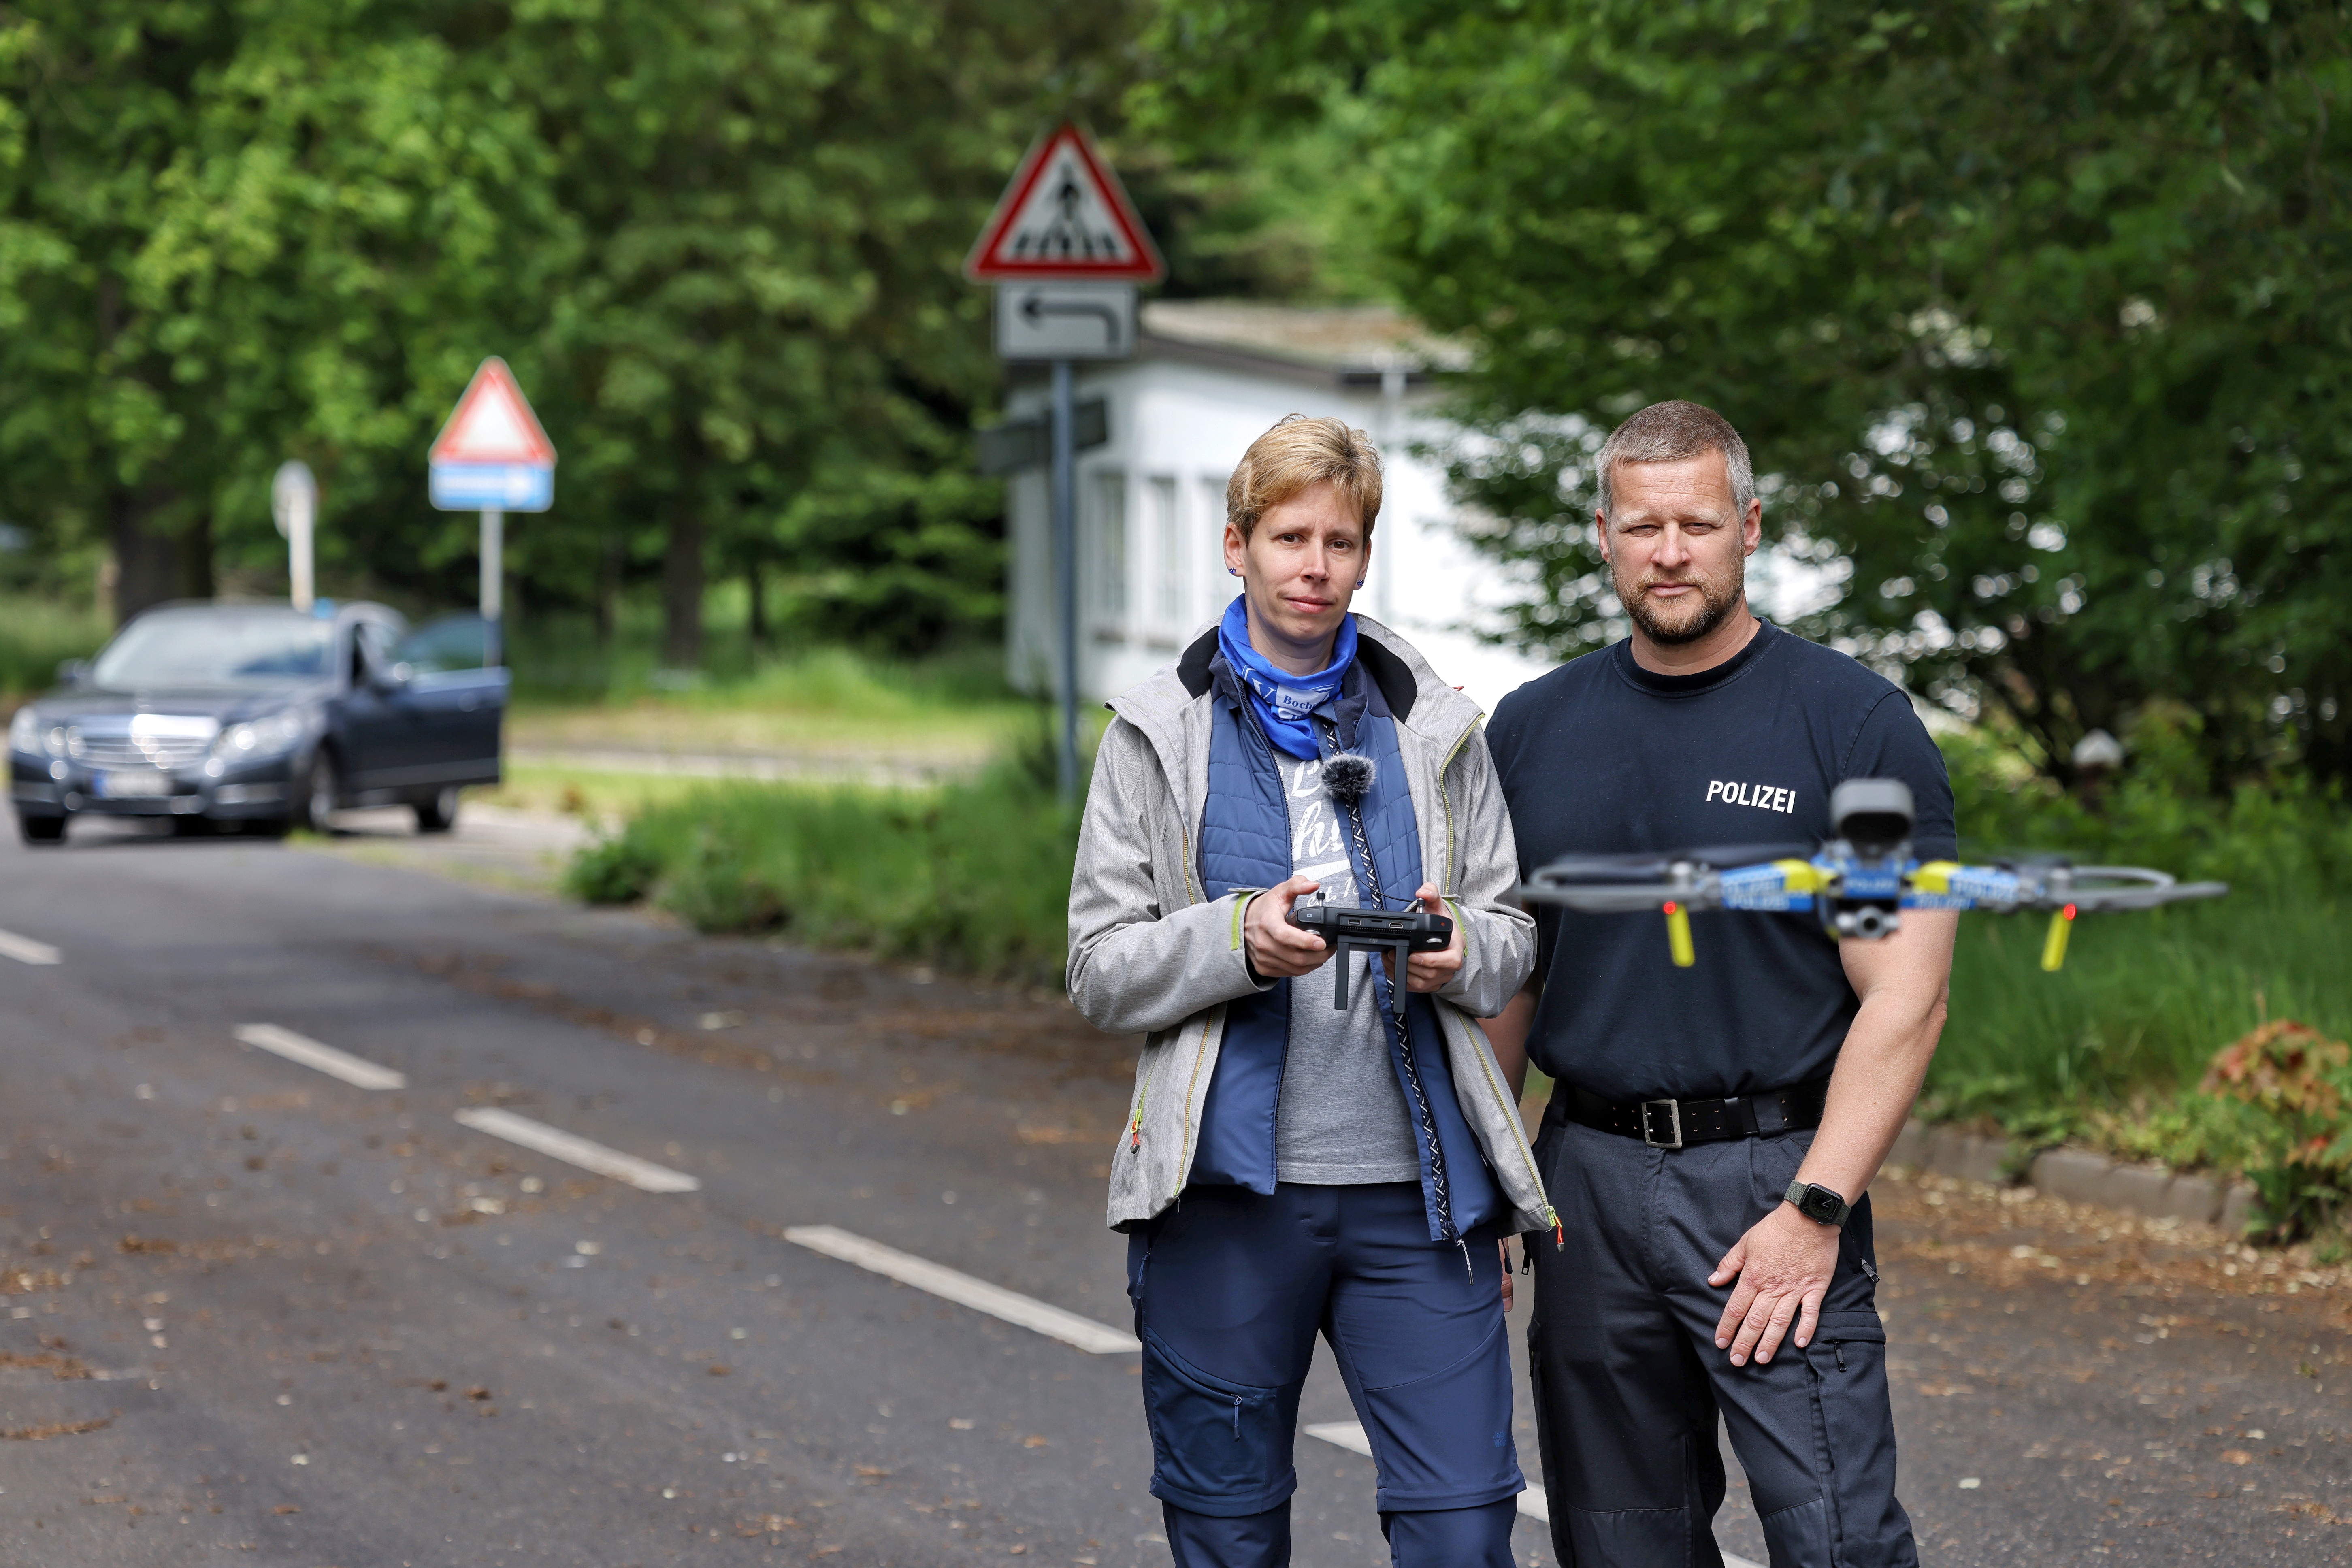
[1280, 700]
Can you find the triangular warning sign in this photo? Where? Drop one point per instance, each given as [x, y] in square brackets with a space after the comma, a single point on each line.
[493, 423]
[1065, 216]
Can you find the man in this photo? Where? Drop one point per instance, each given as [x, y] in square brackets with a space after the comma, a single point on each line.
[1690, 1282]
[1289, 1164]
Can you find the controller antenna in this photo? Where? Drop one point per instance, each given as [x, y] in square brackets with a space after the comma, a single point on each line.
[1348, 776]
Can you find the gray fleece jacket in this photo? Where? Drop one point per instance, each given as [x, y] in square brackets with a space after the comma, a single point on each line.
[1149, 954]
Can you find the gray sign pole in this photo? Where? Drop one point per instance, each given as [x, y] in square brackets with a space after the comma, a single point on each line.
[494, 527]
[1066, 575]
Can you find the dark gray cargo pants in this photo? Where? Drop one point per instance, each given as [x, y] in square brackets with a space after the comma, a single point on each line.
[1628, 1382]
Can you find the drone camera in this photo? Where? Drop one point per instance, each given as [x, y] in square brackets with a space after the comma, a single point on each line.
[1873, 815]
[1867, 922]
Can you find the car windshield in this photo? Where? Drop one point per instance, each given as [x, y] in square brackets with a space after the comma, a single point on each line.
[216, 647]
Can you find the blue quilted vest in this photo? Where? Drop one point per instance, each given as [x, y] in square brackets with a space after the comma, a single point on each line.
[1245, 842]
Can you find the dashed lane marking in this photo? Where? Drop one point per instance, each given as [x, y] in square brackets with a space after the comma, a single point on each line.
[580, 1151]
[1096, 1338]
[1350, 1435]
[294, 1047]
[25, 949]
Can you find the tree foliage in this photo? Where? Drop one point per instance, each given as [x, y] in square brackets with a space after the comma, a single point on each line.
[718, 243]
[2036, 314]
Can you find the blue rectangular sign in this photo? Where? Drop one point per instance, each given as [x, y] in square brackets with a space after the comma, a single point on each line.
[500, 487]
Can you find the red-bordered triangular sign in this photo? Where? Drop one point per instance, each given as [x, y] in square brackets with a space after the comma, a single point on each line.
[493, 423]
[1065, 216]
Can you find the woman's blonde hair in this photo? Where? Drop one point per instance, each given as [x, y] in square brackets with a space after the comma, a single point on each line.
[1299, 453]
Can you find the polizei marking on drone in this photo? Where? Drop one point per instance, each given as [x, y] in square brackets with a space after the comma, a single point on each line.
[1763, 798]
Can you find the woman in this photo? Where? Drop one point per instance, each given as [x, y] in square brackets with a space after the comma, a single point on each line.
[1289, 1166]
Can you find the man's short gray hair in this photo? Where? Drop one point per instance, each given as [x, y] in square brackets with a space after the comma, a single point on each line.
[1667, 433]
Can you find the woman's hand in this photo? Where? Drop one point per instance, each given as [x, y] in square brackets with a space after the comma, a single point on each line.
[1429, 971]
[1277, 949]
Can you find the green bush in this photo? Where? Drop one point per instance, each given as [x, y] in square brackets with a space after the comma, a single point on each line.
[2113, 1050]
[968, 876]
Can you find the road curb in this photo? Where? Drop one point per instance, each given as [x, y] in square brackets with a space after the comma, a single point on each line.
[2078, 1175]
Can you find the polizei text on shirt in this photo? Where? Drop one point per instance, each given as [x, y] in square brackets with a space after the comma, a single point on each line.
[1764, 797]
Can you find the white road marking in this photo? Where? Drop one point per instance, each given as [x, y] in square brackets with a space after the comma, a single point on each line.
[580, 1151]
[1095, 1338]
[25, 949]
[1350, 1435]
[302, 1048]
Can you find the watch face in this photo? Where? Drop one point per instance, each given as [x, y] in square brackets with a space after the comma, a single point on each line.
[1821, 1204]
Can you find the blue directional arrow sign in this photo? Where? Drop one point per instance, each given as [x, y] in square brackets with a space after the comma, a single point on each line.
[508, 487]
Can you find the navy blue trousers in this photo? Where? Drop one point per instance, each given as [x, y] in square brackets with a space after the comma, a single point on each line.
[1230, 1288]
[1629, 1385]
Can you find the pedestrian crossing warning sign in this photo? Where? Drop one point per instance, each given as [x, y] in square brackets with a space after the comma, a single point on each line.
[1065, 216]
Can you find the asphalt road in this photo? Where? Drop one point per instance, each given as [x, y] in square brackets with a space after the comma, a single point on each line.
[252, 1313]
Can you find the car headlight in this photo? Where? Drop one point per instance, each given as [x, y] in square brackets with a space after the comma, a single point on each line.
[265, 737]
[27, 733]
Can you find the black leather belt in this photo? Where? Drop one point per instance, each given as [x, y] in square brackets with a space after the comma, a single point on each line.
[1672, 1124]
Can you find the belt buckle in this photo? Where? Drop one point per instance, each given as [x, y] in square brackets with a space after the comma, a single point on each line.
[1674, 1119]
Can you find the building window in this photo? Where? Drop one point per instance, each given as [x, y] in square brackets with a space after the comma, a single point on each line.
[1212, 506]
[1110, 548]
[1171, 583]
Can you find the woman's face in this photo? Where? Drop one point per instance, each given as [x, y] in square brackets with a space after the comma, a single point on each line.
[1299, 569]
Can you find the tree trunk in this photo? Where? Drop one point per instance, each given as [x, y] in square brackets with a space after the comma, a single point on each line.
[755, 584]
[608, 589]
[152, 565]
[682, 586]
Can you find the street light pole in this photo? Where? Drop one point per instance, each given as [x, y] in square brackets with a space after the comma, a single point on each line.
[1065, 577]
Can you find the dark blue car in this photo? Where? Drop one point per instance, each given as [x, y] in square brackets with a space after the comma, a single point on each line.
[265, 716]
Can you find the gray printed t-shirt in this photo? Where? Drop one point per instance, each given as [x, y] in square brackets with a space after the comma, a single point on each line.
[1342, 1118]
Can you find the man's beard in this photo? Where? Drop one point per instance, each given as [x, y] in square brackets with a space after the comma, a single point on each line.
[1683, 622]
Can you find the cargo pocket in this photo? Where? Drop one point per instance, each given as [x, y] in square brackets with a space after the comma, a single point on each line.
[1217, 1447]
[1857, 1438]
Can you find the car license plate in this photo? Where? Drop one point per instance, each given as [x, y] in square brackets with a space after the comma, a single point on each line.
[124, 785]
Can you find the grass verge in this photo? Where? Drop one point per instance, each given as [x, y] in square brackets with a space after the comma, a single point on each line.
[34, 636]
[971, 877]
[947, 715]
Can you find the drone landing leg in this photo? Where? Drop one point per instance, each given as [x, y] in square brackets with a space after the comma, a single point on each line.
[2053, 946]
[1679, 936]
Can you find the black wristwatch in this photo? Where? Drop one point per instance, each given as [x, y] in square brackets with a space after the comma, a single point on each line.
[1818, 1202]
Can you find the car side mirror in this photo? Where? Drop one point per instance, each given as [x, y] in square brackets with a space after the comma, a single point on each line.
[73, 671]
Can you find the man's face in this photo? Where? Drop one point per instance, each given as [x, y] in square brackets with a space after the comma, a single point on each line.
[1300, 567]
[1677, 548]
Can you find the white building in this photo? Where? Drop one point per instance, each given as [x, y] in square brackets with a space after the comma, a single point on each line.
[1208, 378]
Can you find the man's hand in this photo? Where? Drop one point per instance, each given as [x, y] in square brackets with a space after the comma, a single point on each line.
[1505, 1248]
[1783, 1264]
[1429, 971]
[1277, 949]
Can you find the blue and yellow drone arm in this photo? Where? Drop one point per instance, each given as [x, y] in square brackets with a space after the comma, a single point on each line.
[1771, 885]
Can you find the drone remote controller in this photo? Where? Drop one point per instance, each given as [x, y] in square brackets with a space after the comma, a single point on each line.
[1401, 932]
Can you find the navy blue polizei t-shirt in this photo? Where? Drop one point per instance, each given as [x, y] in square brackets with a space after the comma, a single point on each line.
[1603, 757]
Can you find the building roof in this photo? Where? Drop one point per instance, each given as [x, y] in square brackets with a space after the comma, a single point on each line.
[1350, 344]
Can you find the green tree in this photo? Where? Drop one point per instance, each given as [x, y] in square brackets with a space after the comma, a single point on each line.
[773, 357]
[718, 244]
[2036, 314]
[238, 234]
